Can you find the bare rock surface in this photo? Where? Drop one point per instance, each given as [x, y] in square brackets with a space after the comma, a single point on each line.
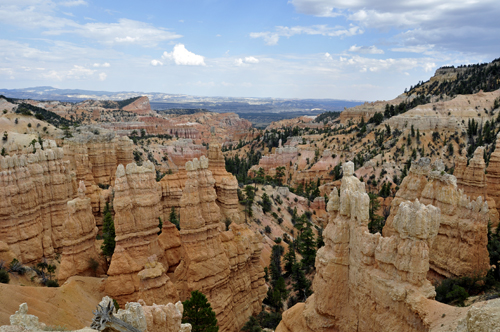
[370, 282]
[460, 246]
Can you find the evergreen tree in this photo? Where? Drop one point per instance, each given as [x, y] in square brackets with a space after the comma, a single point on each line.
[319, 241]
[307, 247]
[300, 283]
[252, 325]
[160, 225]
[266, 203]
[280, 174]
[290, 260]
[198, 312]
[174, 219]
[108, 230]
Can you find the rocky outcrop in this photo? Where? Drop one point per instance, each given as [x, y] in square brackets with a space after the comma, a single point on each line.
[138, 266]
[94, 155]
[79, 235]
[226, 185]
[493, 175]
[34, 191]
[366, 282]
[222, 265]
[139, 106]
[181, 151]
[153, 318]
[460, 247]
[472, 179]
[452, 115]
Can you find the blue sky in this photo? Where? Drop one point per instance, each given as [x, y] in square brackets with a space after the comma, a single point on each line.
[341, 49]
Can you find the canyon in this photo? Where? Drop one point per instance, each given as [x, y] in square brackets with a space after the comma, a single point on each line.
[370, 282]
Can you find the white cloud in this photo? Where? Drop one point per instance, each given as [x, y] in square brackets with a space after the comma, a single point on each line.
[156, 63]
[104, 65]
[72, 3]
[124, 32]
[272, 38]
[464, 25]
[246, 61]
[181, 56]
[251, 59]
[43, 15]
[365, 49]
[102, 76]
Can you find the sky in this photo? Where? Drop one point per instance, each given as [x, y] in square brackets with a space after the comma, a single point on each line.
[337, 49]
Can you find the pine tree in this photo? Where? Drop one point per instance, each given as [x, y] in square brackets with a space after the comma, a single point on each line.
[160, 225]
[290, 260]
[252, 325]
[307, 247]
[266, 203]
[108, 229]
[301, 284]
[173, 218]
[198, 312]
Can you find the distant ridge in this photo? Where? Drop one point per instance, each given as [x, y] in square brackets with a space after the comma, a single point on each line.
[164, 101]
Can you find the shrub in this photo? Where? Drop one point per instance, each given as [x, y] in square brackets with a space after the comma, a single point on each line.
[52, 283]
[198, 312]
[267, 229]
[4, 276]
[17, 267]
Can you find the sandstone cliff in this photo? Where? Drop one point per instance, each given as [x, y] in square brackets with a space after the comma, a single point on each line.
[369, 282]
[138, 266]
[366, 282]
[94, 155]
[139, 106]
[79, 234]
[34, 191]
[493, 175]
[226, 185]
[223, 265]
[460, 247]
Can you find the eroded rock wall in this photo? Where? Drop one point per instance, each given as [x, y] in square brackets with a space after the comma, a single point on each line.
[226, 185]
[222, 265]
[460, 246]
[34, 191]
[138, 266]
[79, 245]
[94, 155]
[366, 282]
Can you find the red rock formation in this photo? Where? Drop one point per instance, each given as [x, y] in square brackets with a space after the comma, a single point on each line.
[181, 151]
[139, 106]
[34, 190]
[138, 266]
[222, 266]
[493, 176]
[94, 159]
[226, 184]
[366, 282]
[79, 235]
[460, 247]
[472, 179]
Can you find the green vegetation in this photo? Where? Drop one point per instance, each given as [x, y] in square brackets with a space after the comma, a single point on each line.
[326, 117]
[43, 114]
[470, 79]
[4, 276]
[160, 225]
[198, 312]
[174, 218]
[108, 229]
